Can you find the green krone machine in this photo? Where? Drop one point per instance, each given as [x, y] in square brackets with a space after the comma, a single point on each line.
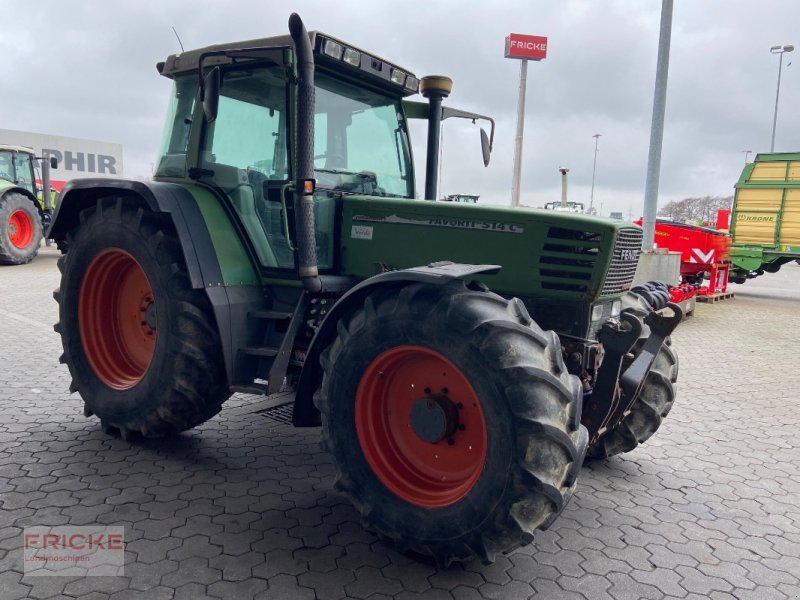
[765, 223]
[23, 212]
[461, 359]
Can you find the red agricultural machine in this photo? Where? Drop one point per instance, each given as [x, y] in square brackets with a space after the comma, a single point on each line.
[705, 254]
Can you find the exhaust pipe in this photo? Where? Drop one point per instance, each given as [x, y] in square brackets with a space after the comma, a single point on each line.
[435, 88]
[304, 161]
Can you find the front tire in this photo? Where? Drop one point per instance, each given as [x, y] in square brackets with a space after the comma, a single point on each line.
[20, 229]
[141, 345]
[453, 423]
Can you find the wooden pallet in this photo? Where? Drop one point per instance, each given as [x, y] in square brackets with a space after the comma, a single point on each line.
[714, 298]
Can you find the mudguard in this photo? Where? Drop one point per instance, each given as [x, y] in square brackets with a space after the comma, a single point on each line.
[230, 302]
[194, 237]
[8, 187]
[305, 414]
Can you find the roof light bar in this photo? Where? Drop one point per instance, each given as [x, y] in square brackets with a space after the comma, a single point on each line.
[398, 77]
[333, 49]
[370, 64]
[352, 57]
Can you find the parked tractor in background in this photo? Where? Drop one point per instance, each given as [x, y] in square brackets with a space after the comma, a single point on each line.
[765, 223]
[280, 244]
[25, 208]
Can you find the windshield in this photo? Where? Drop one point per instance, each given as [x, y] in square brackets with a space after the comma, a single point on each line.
[360, 141]
[7, 166]
[17, 168]
[172, 158]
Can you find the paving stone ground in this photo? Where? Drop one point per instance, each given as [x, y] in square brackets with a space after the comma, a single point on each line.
[243, 507]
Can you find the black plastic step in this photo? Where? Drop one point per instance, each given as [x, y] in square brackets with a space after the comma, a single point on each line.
[250, 388]
[260, 351]
[275, 315]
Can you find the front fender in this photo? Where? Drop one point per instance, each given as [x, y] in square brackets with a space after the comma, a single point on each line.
[305, 413]
[7, 187]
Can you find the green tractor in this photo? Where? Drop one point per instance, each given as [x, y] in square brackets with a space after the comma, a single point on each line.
[24, 209]
[280, 245]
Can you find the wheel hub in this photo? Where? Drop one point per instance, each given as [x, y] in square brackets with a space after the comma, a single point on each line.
[148, 307]
[117, 318]
[20, 229]
[421, 426]
[434, 418]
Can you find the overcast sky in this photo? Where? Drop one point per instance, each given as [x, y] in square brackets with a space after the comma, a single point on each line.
[87, 69]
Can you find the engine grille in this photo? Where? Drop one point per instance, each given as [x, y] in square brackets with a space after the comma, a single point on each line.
[623, 263]
[568, 259]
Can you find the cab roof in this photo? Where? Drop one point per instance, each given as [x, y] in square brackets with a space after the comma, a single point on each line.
[375, 67]
[12, 148]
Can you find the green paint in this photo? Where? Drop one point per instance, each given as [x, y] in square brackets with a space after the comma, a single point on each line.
[234, 260]
[379, 234]
[6, 185]
[747, 257]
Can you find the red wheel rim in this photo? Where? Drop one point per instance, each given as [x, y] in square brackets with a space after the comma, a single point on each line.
[116, 319]
[20, 229]
[424, 473]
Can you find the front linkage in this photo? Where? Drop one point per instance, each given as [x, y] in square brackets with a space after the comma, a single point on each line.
[622, 375]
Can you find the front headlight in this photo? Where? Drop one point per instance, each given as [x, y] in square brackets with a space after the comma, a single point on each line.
[616, 308]
[597, 312]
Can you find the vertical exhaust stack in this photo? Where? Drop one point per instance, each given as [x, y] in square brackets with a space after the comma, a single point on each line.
[435, 88]
[304, 161]
[563, 171]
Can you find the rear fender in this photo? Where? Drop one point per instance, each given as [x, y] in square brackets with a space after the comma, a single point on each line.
[305, 413]
[170, 198]
[195, 235]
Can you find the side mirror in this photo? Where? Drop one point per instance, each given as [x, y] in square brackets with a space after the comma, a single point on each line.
[211, 85]
[486, 147]
[53, 162]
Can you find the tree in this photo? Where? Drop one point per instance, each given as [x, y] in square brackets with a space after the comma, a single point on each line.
[695, 210]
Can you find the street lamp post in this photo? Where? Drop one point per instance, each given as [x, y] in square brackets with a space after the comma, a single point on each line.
[778, 50]
[596, 137]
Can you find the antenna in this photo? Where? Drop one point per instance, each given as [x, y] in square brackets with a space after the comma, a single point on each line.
[179, 38]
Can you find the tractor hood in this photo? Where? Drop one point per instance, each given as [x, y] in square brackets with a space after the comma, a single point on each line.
[543, 253]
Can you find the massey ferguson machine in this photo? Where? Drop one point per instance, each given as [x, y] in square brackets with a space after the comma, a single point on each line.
[461, 359]
[23, 214]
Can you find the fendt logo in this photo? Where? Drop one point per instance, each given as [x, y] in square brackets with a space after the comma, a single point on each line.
[626, 254]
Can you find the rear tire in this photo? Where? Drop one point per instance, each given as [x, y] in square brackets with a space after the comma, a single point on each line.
[655, 401]
[472, 492]
[20, 229]
[141, 344]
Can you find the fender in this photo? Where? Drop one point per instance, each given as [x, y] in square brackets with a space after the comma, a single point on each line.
[19, 190]
[170, 198]
[230, 302]
[305, 414]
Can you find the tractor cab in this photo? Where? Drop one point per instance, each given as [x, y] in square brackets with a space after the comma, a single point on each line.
[17, 166]
[361, 143]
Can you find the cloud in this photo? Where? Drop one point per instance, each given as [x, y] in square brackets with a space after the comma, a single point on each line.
[88, 70]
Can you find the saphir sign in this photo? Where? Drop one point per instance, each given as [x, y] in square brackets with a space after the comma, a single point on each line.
[76, 157]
